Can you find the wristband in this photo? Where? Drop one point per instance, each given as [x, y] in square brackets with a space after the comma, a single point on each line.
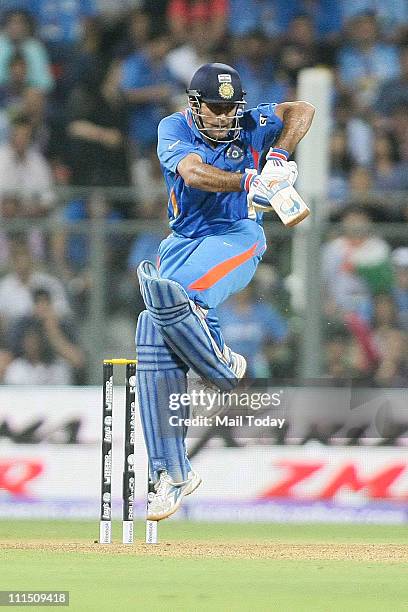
[247, 180]
[277, 153]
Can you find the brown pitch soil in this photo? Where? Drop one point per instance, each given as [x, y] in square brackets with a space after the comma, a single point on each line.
[394, 553]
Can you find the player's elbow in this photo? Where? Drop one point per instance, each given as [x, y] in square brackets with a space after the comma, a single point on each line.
[296, 109]
[190, 170]
[192, 178]
[306, 108]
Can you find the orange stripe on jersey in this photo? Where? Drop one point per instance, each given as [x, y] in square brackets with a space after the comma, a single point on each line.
[174, 203]
[222, 269]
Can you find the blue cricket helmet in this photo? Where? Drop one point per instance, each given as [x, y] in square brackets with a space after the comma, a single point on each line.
[216, 84]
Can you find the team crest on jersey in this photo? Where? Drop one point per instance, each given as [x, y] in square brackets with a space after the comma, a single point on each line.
[235, 153]
[226, 91]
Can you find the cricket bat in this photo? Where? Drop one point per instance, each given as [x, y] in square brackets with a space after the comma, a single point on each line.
[285, 201]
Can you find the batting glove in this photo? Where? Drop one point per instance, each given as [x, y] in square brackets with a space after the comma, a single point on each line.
[256, 187]
[277, 167]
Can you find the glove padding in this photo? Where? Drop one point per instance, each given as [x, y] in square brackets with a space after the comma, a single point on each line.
[277, 167]
[279, 170]
[279, 176]
[289, 173]
[273, 189]
[259, 186]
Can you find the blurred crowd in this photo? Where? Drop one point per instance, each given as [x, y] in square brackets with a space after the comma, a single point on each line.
[83, 85]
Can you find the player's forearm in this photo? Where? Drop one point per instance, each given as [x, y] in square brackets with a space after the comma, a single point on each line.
[206, 177]
[297, 119]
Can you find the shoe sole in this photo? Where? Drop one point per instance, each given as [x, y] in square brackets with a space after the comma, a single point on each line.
[198, 482]
[243, 367]
[160, 517]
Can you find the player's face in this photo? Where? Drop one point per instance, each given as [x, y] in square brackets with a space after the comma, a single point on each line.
[218, 119]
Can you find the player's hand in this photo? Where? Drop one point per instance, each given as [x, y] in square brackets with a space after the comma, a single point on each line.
[256, 188]
[277, 168]
[277, 195]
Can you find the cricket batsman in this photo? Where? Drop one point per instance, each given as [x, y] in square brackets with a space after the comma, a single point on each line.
[209, 154]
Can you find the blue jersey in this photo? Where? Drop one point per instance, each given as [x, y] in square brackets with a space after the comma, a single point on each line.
[192, 212]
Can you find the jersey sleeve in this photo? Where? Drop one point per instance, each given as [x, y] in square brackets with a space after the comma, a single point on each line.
[262, 126]
[175, 141]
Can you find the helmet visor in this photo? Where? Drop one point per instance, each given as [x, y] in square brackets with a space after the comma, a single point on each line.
[218, 122]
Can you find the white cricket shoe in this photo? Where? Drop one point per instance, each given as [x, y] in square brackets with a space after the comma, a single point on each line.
[168, 496]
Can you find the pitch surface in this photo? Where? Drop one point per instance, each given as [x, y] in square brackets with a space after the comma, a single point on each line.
[200, 567]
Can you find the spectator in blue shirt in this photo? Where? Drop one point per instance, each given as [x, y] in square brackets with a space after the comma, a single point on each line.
[138, 29]
[147, 87]
[88, 57]
[270, 16]
[341, 164]
[17, 35]
[390, 174]
[392, 14]
[326, 17]
[7, 6]
[257, 71]
[394, 92]
[301, 48]
[60, 22]
[251, 327]
[273, 16]
[71, 249]
[364, 61]
[146, 244]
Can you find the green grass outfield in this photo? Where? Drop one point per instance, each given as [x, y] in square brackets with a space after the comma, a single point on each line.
[132, 580]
